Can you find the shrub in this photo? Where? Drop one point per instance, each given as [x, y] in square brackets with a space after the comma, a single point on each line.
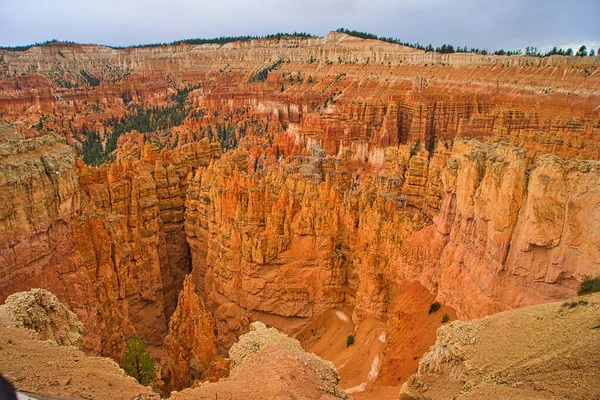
[573, 304]
[445, 318]
[589, 285]
[434, 307]
[137, 361]
[350, 340]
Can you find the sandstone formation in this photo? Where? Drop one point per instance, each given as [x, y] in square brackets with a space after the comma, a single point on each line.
[354, 247]
[549, 350]
[102, 239]
[501, 223]
[267, 364]
[39, 197]
[291, 177]
[40, 311]
[130, 235]
[191, 342]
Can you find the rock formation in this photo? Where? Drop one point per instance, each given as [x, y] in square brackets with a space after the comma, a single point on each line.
[501, 223]
[41, 367]
[39, 196]
[269, 364]
[290, 177]
[40, 311]
[191, 342]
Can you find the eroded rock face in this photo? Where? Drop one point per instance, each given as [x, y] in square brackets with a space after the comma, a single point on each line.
[291, 239]
[191, 343]
[267, 364]
[504, 228]
[39, 197]
[348, 184]
[131, 237]
[40, 310]
[102, 239]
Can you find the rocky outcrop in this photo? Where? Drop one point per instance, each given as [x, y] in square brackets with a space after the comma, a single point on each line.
[487, 239]
[191, 343]
[267, 364]
[130, 235]
[40, 311]
[534, 353]
[39, 198]
[43, 368]
[102, 239]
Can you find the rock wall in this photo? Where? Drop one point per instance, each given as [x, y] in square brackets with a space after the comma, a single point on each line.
[39, 198]
[508, 235]
[131, 237]
[191, 343]
[108, 241]
[293, 239]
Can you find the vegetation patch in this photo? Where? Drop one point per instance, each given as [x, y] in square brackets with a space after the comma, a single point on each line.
[137, 361]
[262, 74]
[349, 340]
[573, 304]
[434, 307]
[449, 49]
[589, 285]
[92, 80]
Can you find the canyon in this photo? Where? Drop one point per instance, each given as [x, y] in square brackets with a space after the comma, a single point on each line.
[325, 187]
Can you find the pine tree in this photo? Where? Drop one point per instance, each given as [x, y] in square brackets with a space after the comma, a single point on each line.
[582, 52]
[137, 361]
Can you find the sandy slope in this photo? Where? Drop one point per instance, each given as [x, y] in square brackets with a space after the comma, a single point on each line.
[546, 351]
[37, 366]
[383, 355]
[358, 364]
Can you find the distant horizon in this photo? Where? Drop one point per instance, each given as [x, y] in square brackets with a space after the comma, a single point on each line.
[491, 24]
[574, 46]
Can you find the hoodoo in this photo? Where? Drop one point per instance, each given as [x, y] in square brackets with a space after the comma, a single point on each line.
[245, 204]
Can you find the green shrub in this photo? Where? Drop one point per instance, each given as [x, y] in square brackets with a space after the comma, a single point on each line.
[445, 318]
[349, 340]
[589, 285]
[434, 307]
[137, 361]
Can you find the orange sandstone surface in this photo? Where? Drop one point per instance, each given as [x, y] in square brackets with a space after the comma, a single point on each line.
[324, 186]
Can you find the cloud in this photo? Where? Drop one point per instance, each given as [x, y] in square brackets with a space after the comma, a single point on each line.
[474, 23]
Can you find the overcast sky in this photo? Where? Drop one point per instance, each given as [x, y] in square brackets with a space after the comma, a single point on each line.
[491, 24]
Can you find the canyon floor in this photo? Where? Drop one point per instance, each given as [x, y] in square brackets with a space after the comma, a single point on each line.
[439, 208]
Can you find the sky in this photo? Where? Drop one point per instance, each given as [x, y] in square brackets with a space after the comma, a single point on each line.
[491, 24]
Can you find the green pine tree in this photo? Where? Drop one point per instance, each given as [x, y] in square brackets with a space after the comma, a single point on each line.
[137, 361]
